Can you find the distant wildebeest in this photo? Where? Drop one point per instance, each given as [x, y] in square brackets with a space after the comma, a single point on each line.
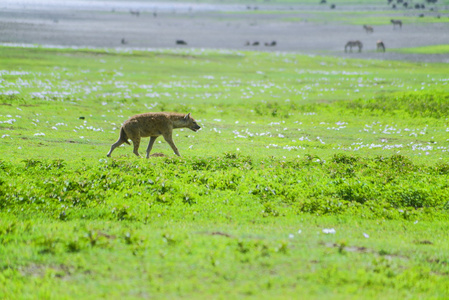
[380, 46]
[272, 44]
[323, 2]
[123, 41]
[396, 22]
[153, 125]
[351, 44]
[389, 1]
[135, 12]
[368, 29]
[405, 4]
[333, 6]
[256, 43]
[180, 42]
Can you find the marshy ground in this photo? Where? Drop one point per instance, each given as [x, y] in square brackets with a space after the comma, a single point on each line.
[306, 28]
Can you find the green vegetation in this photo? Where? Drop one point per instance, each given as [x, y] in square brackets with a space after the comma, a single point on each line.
[374, 18]
[374, 13]
[314, 176]
[309, 2]
[436, 49]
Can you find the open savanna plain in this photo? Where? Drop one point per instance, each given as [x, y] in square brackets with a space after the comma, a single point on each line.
[312, 177]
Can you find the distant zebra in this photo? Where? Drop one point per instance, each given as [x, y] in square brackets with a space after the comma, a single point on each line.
[380, 46]
[351, 44]
[368, 29]
[396, 22]
[135, 12]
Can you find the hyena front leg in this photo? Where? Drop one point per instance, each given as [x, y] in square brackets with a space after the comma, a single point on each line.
[136, 144]
[169, 140]
[150, 145]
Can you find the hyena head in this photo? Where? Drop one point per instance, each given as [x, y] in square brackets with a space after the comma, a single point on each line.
[191, 123]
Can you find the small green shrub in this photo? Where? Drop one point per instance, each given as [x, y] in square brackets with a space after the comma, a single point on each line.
[416, 104]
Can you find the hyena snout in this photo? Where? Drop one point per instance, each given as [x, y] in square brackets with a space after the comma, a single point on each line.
[195, 127]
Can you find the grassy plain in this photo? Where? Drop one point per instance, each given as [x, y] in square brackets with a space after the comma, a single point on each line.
[372, 17]
[312, 2]
[435, 49]
[314, 176]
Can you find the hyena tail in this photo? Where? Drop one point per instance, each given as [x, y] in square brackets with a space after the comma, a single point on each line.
[123, 137]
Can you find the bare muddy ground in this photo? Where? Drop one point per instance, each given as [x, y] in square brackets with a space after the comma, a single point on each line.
[207, 26]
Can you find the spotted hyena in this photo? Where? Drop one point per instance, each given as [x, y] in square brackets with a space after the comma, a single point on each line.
[153, 125]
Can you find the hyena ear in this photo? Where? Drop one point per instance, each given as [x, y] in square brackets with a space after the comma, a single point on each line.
[186, 117]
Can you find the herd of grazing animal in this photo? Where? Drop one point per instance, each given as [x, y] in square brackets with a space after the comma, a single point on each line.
[348, 46]
[380, 46]
[256, 43]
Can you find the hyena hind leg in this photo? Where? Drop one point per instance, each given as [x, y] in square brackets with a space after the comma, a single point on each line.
[136, 143]
[150, 145]
[115, 145]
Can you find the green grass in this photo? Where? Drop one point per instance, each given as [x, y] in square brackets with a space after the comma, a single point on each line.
[376, 20]
[312, 176]
[372, 18]
[436, 49]
[308, 2]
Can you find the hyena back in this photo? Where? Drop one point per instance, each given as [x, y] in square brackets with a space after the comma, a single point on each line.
[153, 125]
